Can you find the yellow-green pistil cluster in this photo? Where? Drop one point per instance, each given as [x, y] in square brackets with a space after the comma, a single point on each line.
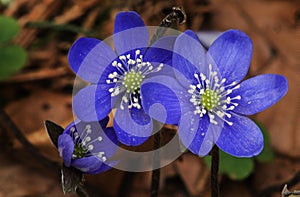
[132, 81]
[84, 143]
[210, 96]
[79, 151]
[128, 79]
[210, 99]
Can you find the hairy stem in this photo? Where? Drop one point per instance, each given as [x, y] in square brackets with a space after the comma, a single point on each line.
[156, 162]
[214, 172]
[176, 16]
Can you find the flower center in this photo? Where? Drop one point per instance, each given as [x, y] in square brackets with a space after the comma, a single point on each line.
[212, 97]
[83, 143]
[132, 81]
[128, 77]
[79, 151]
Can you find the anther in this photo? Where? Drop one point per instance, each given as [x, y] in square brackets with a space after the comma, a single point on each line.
[90, 147]
[210, 94]
[129, 77]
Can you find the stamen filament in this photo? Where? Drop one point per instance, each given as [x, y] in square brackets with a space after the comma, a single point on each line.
[210, 96]
[128, 79]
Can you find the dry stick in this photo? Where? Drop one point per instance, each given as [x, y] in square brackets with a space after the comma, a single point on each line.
[276, 188]
[286, 193]
[7, 123]
[214, 172]
[176, 16]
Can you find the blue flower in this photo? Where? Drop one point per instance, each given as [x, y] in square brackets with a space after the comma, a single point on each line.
[116, 76]
[208, 101]
[88, 146]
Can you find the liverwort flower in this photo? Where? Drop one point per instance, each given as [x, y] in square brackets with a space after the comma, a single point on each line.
[208, 101]
[116, 76]
[88, 146]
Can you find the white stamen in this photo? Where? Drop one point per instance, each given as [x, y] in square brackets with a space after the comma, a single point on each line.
[211, 96]
[131, 72]
[122, 57]
[88, 138]
[100, 154]
[90, 147]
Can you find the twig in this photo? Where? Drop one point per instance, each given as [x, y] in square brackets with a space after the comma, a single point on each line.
[276, 188]
[7, 123]
[214, 172]
[286, 193]
[39, 75]
[57, 27]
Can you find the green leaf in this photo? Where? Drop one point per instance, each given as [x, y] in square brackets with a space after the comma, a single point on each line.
[267, 153]
[240, 168]
[12, 58]
[5, 2]
[9, 28]
[234, 167]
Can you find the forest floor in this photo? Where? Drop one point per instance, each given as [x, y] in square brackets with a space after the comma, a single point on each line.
[42, 90]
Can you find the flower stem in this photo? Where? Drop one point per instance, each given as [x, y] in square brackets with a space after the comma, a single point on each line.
[156, 162]
[176, 16]
[214, 185]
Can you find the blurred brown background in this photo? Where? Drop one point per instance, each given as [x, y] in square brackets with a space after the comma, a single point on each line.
[43, 90]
